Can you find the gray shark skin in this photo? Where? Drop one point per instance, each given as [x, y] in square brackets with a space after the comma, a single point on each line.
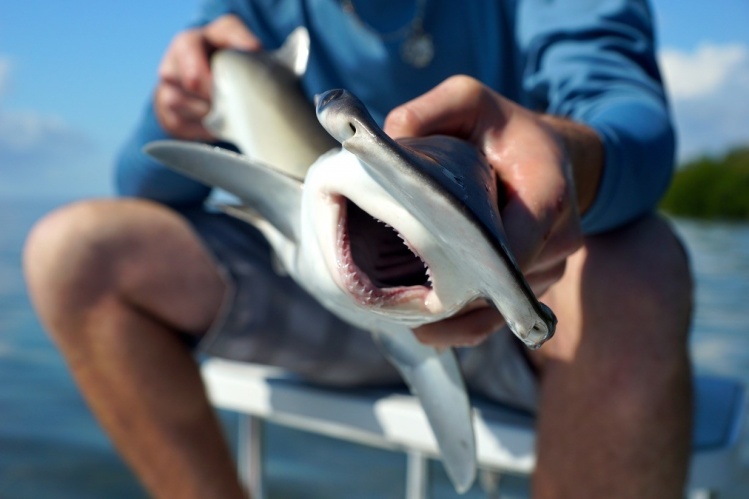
[388, 235]
[462, 192]
[265, 86]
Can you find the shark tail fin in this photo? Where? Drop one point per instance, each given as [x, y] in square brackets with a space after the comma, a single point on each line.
[434, 377]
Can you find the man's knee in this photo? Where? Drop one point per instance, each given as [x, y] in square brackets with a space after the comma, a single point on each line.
[624, 308]
[640, 277]
[81, 252]
[638, 283]
[66, 250]
[141, 254]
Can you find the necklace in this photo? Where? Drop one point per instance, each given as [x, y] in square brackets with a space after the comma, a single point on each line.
[417, 47]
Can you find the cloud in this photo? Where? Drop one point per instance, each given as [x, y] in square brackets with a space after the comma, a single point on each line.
[697, 74]
[4, 73]
[709, 90]
[29, 137]
[41, 153]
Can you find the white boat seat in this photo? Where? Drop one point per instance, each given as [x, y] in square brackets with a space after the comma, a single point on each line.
[505, 437]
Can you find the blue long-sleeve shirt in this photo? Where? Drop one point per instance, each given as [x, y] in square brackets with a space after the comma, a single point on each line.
[592, 61]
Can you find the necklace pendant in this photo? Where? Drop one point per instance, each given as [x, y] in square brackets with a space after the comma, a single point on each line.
[418, 49]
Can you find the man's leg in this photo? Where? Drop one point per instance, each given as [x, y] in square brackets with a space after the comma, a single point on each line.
[615, 399]
[114, 282]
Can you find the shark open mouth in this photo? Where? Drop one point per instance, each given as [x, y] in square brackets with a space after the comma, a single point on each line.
[378, 264]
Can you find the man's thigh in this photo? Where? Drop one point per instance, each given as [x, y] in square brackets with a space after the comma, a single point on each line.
[135, 251]
[625, 291]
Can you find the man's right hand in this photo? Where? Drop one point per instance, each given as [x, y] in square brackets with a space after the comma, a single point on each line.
[548, 168]
[183, 94]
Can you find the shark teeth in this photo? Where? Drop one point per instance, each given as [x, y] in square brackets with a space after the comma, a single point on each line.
[356, 282]
[411, 249]
[376, 264]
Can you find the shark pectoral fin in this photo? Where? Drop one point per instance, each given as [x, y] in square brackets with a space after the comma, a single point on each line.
[274, 195]
[436, 380]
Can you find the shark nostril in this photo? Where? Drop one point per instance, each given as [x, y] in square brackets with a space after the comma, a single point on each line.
[326, 98]
[352, 127]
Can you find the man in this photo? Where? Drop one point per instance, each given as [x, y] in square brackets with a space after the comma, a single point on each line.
[564, 99]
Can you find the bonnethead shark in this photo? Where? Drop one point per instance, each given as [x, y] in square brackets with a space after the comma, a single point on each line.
[387, 234]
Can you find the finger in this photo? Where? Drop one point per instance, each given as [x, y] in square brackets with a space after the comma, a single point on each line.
[542, 232]
[179, 114]
[193, 108]
[175, 99]
[168, 69]
[527, 226]
[186, 64]
[195, 131]
[469, 329]
[566, 240]
[180, 128]
[454, 107]
[194, 68]
[539, 202]
[229, 31]
[541, 280]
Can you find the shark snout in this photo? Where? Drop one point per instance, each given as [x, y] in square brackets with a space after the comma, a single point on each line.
[343, 115]
[324, 99]
[542, 330]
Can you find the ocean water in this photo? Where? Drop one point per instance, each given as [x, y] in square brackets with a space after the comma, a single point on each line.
[51, 447]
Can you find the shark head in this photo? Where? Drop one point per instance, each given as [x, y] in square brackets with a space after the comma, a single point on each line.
[363, 239]
[410, 229]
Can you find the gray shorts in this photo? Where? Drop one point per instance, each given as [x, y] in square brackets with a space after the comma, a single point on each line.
[268, 319]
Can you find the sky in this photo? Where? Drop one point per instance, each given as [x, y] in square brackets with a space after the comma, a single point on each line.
[75, 75]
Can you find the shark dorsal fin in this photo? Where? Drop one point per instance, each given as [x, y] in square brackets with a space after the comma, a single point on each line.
[294, 53]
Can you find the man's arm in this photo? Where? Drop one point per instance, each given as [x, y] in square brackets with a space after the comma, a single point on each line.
[593, 62]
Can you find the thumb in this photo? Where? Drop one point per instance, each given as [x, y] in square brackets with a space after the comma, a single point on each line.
[452, 108]
[229, 31]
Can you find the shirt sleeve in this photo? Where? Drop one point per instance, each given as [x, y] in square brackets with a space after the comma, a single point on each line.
[594, 61]
[139, 175]
[212, 9]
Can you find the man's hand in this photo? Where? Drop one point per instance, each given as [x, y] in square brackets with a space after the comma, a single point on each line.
[183, 94]
[539, 161]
